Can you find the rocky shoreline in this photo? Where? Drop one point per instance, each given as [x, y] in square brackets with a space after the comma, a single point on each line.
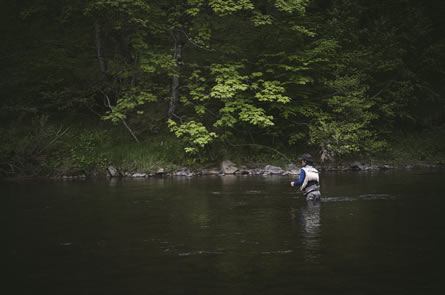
[229, 168]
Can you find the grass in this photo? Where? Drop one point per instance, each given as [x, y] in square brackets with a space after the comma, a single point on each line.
[38, 150]
[428, 146]
[148, 156]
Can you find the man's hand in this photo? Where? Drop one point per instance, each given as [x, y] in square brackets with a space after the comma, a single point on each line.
[291, 183]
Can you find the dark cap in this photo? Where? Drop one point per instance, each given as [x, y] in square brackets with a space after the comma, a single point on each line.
[306, 157]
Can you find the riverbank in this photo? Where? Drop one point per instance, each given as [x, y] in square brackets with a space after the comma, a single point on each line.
[75, 153]
[227, 167]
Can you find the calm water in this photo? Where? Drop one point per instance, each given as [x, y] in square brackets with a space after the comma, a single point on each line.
[376, 233]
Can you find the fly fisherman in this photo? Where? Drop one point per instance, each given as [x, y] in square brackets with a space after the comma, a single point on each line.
[308, 181]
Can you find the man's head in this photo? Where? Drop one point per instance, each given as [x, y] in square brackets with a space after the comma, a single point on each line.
[306, 159]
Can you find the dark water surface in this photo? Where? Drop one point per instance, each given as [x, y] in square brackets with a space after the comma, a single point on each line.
[376, 233]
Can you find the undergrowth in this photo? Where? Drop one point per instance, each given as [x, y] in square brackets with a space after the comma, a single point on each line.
[41, 148]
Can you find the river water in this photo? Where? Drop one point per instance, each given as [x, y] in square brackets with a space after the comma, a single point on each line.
[380, 233]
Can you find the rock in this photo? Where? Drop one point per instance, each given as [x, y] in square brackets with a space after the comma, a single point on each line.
[72, 173]
[293, 172]
[228, 167]
[112, 171]
[385, 167]
[139, 175]
[291, 167]
[357, 166]
[184, 172]
[256, 171]
[269, 169]
[243, 170]
[374, 167]
[159, 172]
[210, 171]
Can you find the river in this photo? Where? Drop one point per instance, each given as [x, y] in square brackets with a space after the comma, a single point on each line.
[373, 233]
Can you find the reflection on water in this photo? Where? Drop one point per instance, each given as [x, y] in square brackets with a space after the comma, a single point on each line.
[228, 179]
[365, 197]
[225, 235]
[310, 221]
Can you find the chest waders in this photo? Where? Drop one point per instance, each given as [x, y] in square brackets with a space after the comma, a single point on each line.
[311, 186]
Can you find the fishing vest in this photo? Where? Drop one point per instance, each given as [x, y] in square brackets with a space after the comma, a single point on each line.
[311, 179]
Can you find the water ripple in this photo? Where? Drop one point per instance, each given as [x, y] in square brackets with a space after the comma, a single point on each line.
[200, 252]
[277, 252]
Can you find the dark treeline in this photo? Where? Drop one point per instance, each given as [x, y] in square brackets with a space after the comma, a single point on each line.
[345, 77]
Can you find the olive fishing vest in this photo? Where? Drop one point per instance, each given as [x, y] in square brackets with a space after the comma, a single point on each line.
[311, 179]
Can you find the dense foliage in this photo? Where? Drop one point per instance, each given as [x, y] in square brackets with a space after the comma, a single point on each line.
[340, 77]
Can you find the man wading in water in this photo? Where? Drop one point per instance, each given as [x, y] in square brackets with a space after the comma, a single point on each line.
[308, 181]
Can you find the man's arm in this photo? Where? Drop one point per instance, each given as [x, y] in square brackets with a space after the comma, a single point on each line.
[299, 181]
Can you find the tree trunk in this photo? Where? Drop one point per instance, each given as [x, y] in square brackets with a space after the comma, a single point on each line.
[177, 55]
[103, 70]
[100, 58]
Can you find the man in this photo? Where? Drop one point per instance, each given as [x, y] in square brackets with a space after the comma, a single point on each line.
[308, 181]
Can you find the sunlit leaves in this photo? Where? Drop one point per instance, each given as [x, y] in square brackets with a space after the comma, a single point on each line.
[225, 7]
[156, 63]
[194, 7]
[303, 30]
[242, 111]
[129, 102]
[228, 81]
[194, 134]
[259, 19]
[272, 91]
[291, 6]
[254, 115]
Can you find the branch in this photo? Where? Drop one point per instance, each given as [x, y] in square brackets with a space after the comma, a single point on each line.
[194, 44]
[58, 135]
[381, 90]
[122, 120]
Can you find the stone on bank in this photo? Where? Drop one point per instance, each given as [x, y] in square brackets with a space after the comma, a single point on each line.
[228, 167]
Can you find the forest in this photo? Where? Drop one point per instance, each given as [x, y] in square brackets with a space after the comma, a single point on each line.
[144, 84]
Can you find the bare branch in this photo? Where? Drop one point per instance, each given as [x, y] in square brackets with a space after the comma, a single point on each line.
[122, 120]
[195, 44]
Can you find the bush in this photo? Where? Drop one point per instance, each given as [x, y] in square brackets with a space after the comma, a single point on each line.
[88, 150]
[27, 150]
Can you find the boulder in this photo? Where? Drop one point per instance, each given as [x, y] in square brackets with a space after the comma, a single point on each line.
[112, 171]
[160, 172]
[243, 170]
[386, 167]
[291, 167]
[256, 171]
[357, 166]
[183, 172]
[228, 167]
[269, 169]
[139, 175]
[293, 172]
